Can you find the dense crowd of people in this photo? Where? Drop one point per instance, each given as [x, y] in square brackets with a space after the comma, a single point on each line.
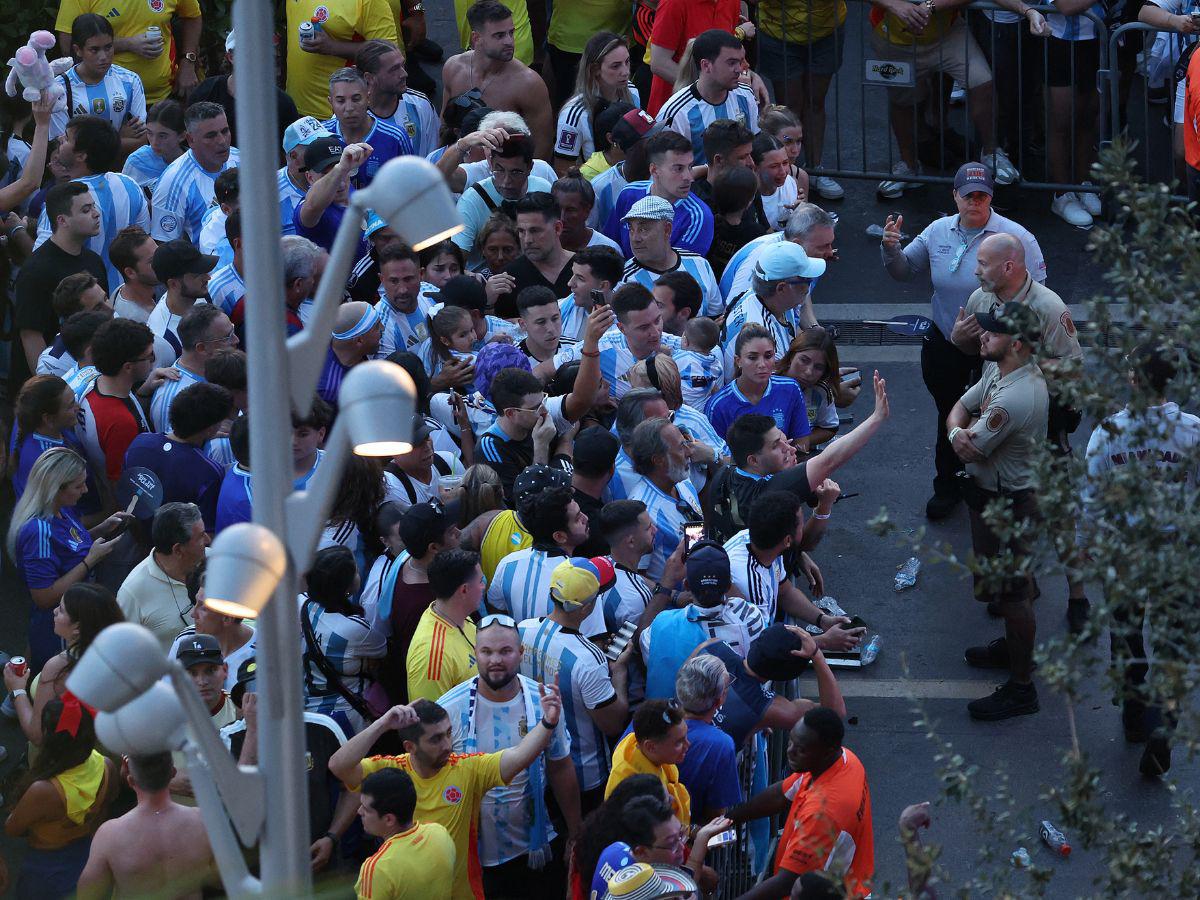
[540, 650]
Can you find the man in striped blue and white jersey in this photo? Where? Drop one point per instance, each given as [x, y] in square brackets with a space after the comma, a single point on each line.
[390, 98]
[202, 331]
[716, 94]
[402, 307]
[353, 123]
[650, 222]
[809, 226]
[227, 286]
[593, 269]
[594, 694]
[659, 455]
[87, 153]
[185, 190]
[290, 179]
[638, 335]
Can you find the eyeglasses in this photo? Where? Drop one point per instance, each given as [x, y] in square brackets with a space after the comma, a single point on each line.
[505, 174]
[676, 840]
[796, 282]
[223, 338]
[147, 358]
[496, 619]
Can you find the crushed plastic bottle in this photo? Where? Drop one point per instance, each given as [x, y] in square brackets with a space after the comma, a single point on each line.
[870, 651]
[1020, 858]
[876, 231]
[907, 576]
[1054, 839]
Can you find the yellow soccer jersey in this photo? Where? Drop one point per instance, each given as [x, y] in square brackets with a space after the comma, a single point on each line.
[439, 657]
[417, 864]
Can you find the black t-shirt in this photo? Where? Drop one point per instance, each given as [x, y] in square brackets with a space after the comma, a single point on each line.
[526, 275]
[747, 489]
[595, 545]
[216, 90]
[728, 239]
[46, 267]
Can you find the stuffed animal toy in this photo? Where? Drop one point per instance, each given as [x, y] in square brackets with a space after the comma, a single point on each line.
[36, 75]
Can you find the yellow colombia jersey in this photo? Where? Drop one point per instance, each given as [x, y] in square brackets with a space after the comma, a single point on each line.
[504, 535]
[523, 33]
[451, 798]
[439, 657]
[800, 23]
[417, 864]
[132, 17]
[343, 20]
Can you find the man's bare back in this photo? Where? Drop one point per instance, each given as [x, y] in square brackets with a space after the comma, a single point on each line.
[164, 853]
[513, 86]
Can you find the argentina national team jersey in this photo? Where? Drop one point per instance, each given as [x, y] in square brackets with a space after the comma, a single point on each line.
[737, 622]
[552, 655]
[165, 394]
[79, 380]
[693, 264]
[755, 582]
[183, 194]
[783, 401]
[700, 376]
[236, 499]
[616, 359]
[573, 137]
[574, 318]
[417, 118]
[145, 167]
[692, 229]
[117, 97]
[226, 288]
[402, 330]
[736, 277]
[608, 186]
[668, 515]
[627, 599]
[689, 114]
[121, 203]
[747, 309]
[289, 198]
[521, 588]
[387, 142]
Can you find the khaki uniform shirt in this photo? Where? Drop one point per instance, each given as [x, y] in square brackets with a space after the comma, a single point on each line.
[1058, 339]
[1011, 424]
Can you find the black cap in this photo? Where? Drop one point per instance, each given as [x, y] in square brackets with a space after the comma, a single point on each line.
[1012, 318]
[247, 680]
[534, 479]
[708, 571]
[322, 153]
[770, 655]
[425, 523]
[596, 450]
[421, 429]
[606, 120]
[465, 291]
[176, 258]
[199, 648]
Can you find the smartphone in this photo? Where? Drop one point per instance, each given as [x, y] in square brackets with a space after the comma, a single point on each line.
[693, 533]
[620, 639]
[852, 379]
[597, 298]
[728, 836]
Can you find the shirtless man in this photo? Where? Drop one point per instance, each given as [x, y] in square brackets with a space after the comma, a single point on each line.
[502, 82]
[157, 847]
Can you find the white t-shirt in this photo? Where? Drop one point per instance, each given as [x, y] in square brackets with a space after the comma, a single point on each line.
[414, 491]
[781, 203]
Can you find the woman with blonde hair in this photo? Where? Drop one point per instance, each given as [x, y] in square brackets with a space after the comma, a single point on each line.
[482, 492]
[704, 445]
[603, 79]
[51, 547]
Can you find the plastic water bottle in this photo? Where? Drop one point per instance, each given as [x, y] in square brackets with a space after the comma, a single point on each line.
[869, 652]
[1054, 839]
[1020, 858]
[907, 576]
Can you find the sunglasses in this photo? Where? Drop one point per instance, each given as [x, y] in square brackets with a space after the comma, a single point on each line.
[468, 99]
[496, 619]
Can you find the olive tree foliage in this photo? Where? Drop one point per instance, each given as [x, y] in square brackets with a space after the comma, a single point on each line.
[1135, 541]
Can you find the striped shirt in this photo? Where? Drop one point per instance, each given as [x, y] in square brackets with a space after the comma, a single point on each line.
[694, 265]
[608, 186]
[736, 277]
[748, 309]
[574, 318]
[616, 359]
[79, 380]
[346, 641]
[692, 229]
[402, 330]
[552, 654]
[55, 360]
[212, 238]
[117, 97]
[121, 203]
[32, 447]
[627, 600]
[329, 384]
[386, 141]
[689, 114]
[521, 588]
[757, 583]
[226, 288]
[700, 374]
[289, 198]
[668, 515]
[737, 622]
[163, 322]
[164, 396]
[417, 118]
[1077, 27]
[183, 193]
[145, 167]
[574, 139]
[695, 424]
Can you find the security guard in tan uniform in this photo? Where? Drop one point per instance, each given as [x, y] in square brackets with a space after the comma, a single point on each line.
[996, 429]
[1003, 276]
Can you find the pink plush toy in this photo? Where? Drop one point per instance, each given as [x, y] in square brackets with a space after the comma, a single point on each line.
[30, 67]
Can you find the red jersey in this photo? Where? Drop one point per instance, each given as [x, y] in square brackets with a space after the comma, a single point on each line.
[676, 23]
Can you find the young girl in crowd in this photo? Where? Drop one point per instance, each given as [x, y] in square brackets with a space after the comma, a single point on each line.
[98, 86]
[783, 125]
[452, 335]
[812, 361]
[46, 412]
[440, 263]
[757, 389]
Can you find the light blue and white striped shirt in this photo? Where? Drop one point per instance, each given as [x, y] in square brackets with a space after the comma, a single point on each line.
[748, 309]
[574, 318]
[401, 330]
[289, 198]
[521, 587]
[121, 204]
[736, 277]
[145, 167]
[183, 193]
[226, 288]
[164, 396]
[608, 186]
[616, 359]
[668, 515]
[119, 95]
[700, 375]
[688, 113]
[755, 582]
[417, 118]
[693, 264]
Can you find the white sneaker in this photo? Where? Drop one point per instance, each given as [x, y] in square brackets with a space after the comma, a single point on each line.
[1091, 202]
[1003, 169]
[826, 187]
[890, 190]
[958, 94]
[1068, 207]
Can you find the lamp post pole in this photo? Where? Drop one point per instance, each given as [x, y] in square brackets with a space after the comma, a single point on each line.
[284, 842]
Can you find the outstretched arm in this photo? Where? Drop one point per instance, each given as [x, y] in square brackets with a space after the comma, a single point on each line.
[837, 454]
[519, 758]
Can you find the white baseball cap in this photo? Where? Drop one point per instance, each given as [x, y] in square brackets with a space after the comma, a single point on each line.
[787, 260]
[303, 132]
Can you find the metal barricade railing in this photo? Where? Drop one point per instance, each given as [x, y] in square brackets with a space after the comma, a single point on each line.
[859, 120]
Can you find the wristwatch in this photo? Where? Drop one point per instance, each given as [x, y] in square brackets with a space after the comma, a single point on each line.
[191, 57]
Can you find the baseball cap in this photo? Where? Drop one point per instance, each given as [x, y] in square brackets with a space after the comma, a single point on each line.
[534, 479]
[708, 575]
[175, 258]
[1012, 318]
[633, 126]
[247, 680]
[650, 207]
[199, 648]
[421, 429]
[374, 223]
[605, 121]
[596, 449]
[787, 260]
[770, 655]
[973, 176]
[426, 523]
[303, 132]
[575, 582]
[464, 291]
[643, 881]
[322, 152]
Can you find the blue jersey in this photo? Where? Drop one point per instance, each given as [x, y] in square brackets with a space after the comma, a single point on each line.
[119, 96]
[736, 277]
[145, 167]
[32, 447]
[326, 229]
[226, 288]
[164, 396]
[235, 501]
[783, 401]
[121, 203]
[692, 230]
[387, 142]
[668, 515]
[49, 548]
[289, 198]
[688, 113]
[186, 472]
[329, 384]
[417, 118]
[695, 265]
[183, 193]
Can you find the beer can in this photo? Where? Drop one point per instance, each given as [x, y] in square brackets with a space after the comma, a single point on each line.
[19, 665]
[307, 31]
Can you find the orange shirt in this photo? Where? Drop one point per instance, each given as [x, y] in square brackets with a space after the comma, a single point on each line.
[1191, 113]
[837, 802]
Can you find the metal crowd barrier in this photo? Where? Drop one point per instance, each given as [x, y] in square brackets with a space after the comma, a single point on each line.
[859, 114]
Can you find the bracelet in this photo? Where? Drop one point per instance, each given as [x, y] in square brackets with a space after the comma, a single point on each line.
[547, 725]
[953, 431]
[591, 354]
[14, 230]
[86, 567]
[333, 837]
[20, 692]
[820, 616]
[821, 518]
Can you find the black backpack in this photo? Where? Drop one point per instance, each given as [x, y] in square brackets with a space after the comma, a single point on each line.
[722, 517]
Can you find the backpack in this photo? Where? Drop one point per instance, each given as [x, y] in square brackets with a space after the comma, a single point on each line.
[440, 466]
[722, 517]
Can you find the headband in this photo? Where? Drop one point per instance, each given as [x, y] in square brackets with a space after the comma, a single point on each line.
[368, 321]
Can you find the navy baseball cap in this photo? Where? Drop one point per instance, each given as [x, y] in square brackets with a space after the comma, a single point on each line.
[708, 576]
[971, 177]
